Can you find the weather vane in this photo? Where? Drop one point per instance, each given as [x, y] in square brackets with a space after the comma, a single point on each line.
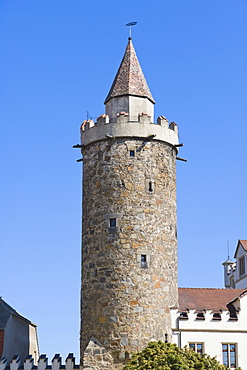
[130, 25]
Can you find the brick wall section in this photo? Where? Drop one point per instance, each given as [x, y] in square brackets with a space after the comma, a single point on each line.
[124, 306]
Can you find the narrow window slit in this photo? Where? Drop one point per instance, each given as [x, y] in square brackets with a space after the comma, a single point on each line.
[150, 187]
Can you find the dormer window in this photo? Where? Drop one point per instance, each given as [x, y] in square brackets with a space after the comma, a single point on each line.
[200, 316]
[183, 315]
[241, 262]
[232, 312]
[216, 316]
[233, 316]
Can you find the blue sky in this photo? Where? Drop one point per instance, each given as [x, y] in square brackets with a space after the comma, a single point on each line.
[58, 59]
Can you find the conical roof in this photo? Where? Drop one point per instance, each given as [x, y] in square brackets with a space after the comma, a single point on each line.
[130, 79]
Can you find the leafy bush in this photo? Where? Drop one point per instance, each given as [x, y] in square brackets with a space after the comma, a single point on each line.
[167, 356]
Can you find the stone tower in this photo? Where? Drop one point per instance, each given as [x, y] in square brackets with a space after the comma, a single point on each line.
[129, 239]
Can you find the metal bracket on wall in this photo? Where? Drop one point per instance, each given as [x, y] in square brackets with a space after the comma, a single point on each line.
[181, 159]
[78, 146]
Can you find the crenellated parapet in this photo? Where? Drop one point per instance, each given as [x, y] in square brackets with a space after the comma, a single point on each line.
[15, 363]
[143, 128]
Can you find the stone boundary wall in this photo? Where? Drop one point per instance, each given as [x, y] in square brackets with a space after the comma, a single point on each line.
[15, 363]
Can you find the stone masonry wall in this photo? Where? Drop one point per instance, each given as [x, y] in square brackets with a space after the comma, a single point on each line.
[129, 248]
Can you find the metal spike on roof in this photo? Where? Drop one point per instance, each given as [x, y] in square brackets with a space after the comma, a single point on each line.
[130, 79]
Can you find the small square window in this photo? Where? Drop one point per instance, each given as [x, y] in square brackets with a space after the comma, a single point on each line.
[143, 258]
[113, 222]
[144, 263]
[132, 153]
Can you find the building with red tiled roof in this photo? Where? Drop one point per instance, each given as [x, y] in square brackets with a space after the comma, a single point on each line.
[212, 321]
[206, 299]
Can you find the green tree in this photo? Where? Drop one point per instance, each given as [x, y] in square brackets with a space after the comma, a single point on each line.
[167, 356]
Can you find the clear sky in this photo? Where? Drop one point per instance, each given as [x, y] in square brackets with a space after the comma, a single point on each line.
[58, 59]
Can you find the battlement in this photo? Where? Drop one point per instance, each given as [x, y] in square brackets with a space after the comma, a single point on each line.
[123, 127]
[15, 363]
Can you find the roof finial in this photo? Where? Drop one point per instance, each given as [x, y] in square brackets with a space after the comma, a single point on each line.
[228, 248]
[130, 25]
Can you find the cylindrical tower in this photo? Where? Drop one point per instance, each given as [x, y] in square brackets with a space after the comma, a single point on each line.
[129, 239]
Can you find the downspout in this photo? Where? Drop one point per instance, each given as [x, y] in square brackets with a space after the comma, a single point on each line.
[179, 333]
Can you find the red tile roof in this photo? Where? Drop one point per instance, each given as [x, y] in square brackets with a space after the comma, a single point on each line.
[206, 298]
[244, 244]
[130, 79]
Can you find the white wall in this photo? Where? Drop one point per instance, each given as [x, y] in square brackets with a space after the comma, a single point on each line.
[213, 332]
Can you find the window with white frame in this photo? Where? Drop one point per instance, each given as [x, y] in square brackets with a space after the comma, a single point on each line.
[197, 347]
[229, 356]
